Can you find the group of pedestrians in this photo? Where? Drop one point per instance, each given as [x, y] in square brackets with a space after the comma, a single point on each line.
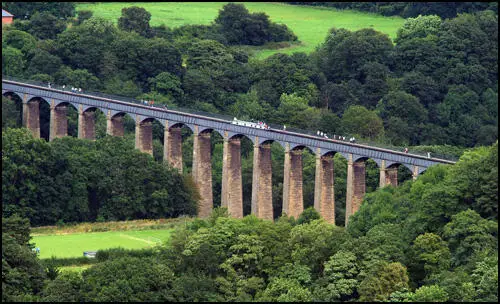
[322, 134]
[73, 89]
[337, 137]
[148, 102]
[262, 125]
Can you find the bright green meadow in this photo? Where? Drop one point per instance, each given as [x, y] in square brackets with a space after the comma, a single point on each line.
[310, 24]
[73, 245]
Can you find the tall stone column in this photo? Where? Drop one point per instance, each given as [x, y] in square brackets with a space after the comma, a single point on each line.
[86, 124]
[231, 178]
[391, 176]
[223, 196]
[324, 199]
[286, 180]
[359, 185]
[144, 136]
[292, 184]
[58, 121]
[356, 186]
[31, 116]
[382, 179]
[114, 125]
[349, 189]
[172, 150]
[202, 172]
[262, 186]
[415, 172]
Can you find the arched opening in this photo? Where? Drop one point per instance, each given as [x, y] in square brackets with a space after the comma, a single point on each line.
[67, 120]
[308, 175]
[246, 150]
[12, 110]
[278, 161]
[158, 138]
[38, 116]
[217, 147]
[372, 175]
[99, 121]
[404, 174]
[340, 186]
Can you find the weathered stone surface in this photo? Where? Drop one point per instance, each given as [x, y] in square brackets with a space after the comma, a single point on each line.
[359, 185]
[114, 125]
[391, 176]
[231, 173]
[31, 116]
[58, 121]
[292, 191]
[86, 124]
[262, 188]
[349, 189]
[415, 172]
[173, 147]
[202, 172]
[356, 186]
[324, 199]
[144, 136]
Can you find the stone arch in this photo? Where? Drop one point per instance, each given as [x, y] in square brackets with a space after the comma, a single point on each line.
[18, 105]
[329, 153]
[265, 141]
[11, 93]
[241, 136]
[421, 170]
[393, 165]
[71, 116]
[119, 114]
[175, 124]
[410, 167]
[118, 122]
[302, 147]
[149, 119]
[202, 129]
[91, 122]
[358, 158]
[93, 108]
[58, 102]
[37, 98]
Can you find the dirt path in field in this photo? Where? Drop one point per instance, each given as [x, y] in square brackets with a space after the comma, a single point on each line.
[135, 238]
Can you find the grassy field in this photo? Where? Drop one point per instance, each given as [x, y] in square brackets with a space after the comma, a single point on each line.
[310, 24]
[73, 245]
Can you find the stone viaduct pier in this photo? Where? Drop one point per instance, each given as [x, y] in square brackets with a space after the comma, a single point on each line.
[202, 126]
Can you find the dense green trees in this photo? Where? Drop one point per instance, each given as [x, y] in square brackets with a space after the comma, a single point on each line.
[389, 252]
[241, 27]
[411, 9]
[135, 19]
[28, 9]
[22, 275]
[71, 180]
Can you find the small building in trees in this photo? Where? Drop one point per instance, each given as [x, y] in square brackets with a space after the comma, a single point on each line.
[7, 17]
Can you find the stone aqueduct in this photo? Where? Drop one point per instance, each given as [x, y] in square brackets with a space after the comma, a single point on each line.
[202, 126]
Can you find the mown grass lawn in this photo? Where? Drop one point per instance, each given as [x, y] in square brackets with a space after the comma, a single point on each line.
[310, 24]
[73, 245]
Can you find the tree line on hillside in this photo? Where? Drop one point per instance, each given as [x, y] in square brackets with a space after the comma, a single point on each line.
[71, 180]
[437, 85]
[430, 240]
[410, 9]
